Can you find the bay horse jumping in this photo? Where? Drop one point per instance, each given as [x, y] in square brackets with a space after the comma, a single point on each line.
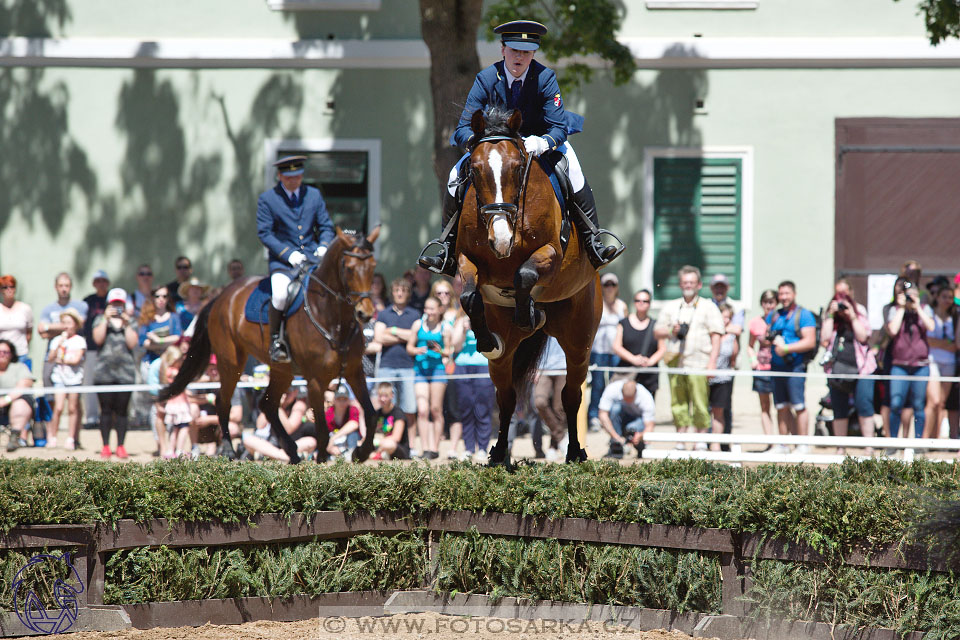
[519, 286]
[325, 337]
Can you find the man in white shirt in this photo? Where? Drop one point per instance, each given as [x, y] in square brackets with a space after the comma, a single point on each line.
[626, 411]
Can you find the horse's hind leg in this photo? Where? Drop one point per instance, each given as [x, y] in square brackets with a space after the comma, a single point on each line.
[358, 382]
[229, 375]
[269, 405]
[501, 371]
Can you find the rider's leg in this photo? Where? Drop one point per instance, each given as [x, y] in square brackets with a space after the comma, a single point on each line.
[445, 262]
[279, 351]
[599, 253]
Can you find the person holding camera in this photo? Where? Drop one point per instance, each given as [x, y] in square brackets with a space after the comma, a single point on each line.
[907, 325]
[693, 328]
[845, 336]
[793, 336]
[115, 333]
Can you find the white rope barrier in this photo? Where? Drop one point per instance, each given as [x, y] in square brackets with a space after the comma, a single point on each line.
[263, 382]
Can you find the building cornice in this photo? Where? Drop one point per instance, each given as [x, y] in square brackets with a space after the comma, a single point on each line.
[649, 53]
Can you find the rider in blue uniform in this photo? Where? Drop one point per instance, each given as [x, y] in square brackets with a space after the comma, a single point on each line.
[520, 82]
[294, 226]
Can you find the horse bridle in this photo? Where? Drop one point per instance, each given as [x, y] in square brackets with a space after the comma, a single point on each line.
[350, 299]
[508, 209]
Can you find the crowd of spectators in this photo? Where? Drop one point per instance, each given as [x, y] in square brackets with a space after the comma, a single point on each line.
[436, 386]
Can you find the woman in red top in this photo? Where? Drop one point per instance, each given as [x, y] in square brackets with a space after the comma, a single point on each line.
[759, 351]
[343, 422]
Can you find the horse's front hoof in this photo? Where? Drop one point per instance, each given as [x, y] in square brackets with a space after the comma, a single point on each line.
[576, 456]
[360, 454]
[494, 351]
[295, 458]
[498, 457]
[226, 450]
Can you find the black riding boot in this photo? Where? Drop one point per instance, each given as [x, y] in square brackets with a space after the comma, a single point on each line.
[445, 262]
[598, 253]
[279, 351]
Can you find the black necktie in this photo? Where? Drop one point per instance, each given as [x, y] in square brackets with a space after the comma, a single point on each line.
[515, 93]
[293, 199]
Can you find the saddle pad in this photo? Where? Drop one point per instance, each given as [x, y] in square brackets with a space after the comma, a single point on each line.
[256, 308]
[548, 169]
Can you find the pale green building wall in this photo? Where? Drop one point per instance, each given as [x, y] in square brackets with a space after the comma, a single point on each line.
[108, 168]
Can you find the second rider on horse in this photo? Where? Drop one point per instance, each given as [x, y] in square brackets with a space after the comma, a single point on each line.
[294, 226]
[520, 82]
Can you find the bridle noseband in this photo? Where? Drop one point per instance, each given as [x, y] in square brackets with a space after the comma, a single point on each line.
[508, 209]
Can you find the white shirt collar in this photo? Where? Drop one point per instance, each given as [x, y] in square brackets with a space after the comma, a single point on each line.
[510, 77]
[290, 194]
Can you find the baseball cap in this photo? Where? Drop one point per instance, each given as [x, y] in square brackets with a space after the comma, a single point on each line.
[609, 277]
[719, 279]
[342, 392]
[100, 274]
[117, 295]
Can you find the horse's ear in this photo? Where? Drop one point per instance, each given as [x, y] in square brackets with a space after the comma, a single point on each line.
[477, 123]
[514, 121]
[341, 234]
[374, 235]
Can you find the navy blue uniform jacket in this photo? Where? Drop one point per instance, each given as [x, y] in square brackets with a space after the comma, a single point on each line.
[540, 105]
[284, 228]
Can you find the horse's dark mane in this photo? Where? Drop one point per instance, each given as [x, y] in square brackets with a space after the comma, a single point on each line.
[495, 121]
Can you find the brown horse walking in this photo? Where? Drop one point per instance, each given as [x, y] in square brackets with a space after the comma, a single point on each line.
[325, 339]
[518, 284]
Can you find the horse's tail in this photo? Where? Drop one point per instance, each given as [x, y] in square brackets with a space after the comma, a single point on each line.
[525, 361]
[198, 357]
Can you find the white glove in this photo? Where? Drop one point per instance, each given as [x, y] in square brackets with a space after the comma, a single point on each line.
[296, 258]
[535, 145]
[321, 250]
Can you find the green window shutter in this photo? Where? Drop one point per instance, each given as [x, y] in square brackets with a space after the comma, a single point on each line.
[697, 208]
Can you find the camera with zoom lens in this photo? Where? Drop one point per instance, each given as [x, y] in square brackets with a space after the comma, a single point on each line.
[842, 306]
[772, 335]
[682, 330]
[907, 285]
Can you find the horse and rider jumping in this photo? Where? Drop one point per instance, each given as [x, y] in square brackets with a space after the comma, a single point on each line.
[526, 275]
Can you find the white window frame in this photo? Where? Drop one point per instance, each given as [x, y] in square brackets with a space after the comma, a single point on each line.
[324, 5]
[745, 155]
[703, 4]
[372, 146]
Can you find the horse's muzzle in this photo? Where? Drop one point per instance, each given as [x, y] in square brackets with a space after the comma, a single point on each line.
[364, 311]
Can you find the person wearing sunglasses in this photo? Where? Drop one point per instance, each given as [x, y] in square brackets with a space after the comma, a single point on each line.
[183, 270]
[16, 406]
[635, 343]
[143, 292]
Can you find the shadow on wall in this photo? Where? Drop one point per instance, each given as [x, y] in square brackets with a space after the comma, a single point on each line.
[400, 116]
[274, 113]
[41, 165]
[658, 114]
[163, 193]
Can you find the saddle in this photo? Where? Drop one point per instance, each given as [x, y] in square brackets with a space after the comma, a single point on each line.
[256, 309]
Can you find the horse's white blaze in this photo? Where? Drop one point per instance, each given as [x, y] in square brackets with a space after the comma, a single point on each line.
[495, 162]
[502, 235]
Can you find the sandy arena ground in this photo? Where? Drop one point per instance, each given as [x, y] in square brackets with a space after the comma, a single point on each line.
[413, 626]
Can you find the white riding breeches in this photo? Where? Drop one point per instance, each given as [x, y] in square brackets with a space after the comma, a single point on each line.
[278, 290]
[577, 180]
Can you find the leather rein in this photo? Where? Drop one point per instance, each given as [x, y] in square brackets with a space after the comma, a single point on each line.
[351, 298]
[508, 209]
